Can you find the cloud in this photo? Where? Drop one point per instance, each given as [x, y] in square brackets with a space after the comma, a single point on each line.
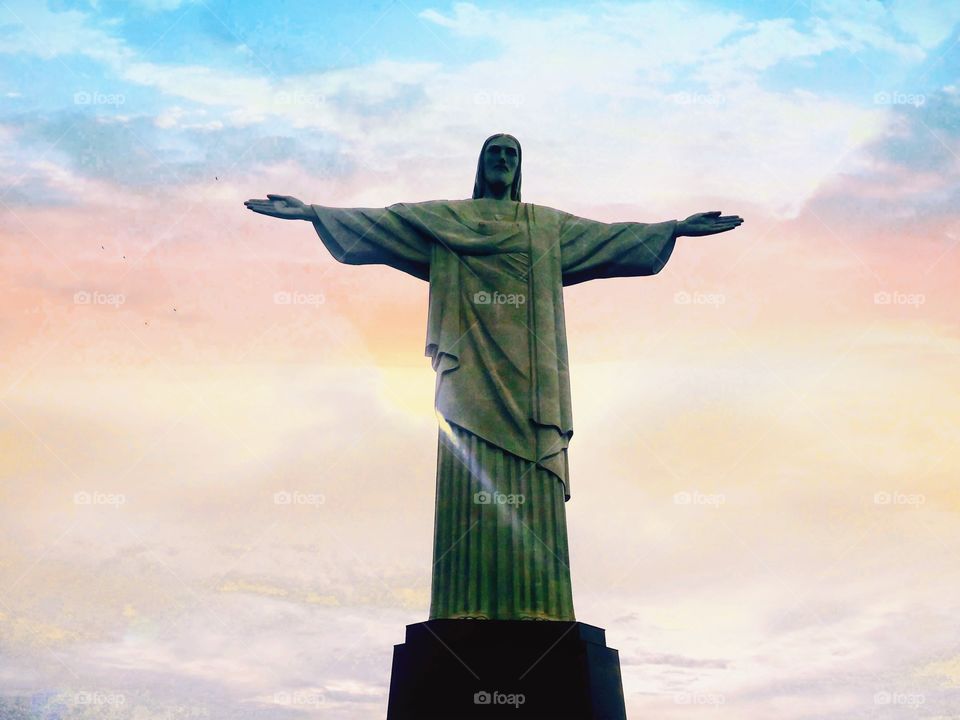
[947, 671]
[929, 21]
[35, 30]
[55, 154]
[673, 661]
[162, 5]
[666, 88]
[909, 173]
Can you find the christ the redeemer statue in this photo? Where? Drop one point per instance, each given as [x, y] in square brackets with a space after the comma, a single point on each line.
[497, 341]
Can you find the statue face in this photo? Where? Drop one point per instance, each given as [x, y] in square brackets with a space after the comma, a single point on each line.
[500, 161]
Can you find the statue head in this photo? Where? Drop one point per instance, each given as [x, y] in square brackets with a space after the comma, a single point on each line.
[498, 168]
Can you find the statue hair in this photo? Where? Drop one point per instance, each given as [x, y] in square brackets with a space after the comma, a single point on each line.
[480, 183]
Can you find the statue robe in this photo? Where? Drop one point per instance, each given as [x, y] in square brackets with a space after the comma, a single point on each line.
[497, 341]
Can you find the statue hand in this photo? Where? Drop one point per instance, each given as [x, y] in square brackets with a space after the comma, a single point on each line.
[708, 223]
[281, 206]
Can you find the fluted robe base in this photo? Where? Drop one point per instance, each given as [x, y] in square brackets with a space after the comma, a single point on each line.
[500, 535]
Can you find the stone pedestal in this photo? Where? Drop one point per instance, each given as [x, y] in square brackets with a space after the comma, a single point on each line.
[460, 669]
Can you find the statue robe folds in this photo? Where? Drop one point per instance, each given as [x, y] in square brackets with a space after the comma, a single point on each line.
[496, 295]
[497, 341]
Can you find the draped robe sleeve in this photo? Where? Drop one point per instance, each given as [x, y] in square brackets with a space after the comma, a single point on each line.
[386, 236]
[501, 370]
[592, 249]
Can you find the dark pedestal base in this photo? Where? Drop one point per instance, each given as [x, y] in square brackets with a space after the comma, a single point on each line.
[460, 669]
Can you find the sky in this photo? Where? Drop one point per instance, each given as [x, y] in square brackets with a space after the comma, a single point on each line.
[767, 515]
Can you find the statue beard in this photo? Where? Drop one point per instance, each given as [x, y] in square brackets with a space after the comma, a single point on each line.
[499, 188]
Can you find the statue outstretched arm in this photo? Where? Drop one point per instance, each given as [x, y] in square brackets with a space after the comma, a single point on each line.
[359, 236]
[592, 249]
